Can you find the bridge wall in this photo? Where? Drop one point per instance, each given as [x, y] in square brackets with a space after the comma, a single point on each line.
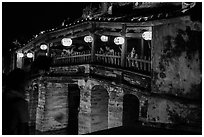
[99, 95]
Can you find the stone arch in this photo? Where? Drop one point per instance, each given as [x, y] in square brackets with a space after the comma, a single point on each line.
[99, 108]
[131, 109]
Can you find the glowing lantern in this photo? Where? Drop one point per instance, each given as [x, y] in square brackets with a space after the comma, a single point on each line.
[66, 42]
[20, 55]
[119, 40]
[104, 38]
[147, 35]
[29, 55]
[88, 39]
[43, 46]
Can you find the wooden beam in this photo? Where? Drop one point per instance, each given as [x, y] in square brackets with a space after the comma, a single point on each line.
[138, 29]
[133, 35]
[118, 34]
[80, 34]
[142, 48]
[124, 47]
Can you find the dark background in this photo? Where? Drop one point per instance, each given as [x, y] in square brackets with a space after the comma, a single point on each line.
[22, 20]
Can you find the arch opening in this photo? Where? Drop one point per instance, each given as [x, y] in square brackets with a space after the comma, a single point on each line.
[130, 110]
[73, 108]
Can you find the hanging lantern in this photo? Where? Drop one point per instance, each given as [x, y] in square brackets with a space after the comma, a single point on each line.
[104, 38]
[29, 55]
[43, 47]
[119, 40]
[88, 39]
[147, 35]
[66, 42]
[20, 55]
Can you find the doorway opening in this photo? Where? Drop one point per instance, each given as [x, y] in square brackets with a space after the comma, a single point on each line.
[130, 110]
[73, 108]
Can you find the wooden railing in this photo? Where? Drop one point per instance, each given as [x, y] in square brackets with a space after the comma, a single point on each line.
[112, 59]
[141, 64]
[138, 64]
[75, 58]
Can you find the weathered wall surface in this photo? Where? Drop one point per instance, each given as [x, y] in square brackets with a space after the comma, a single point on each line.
[173, 112]
[52, 109]
[41, 107]
[32, 92]
[177, 52]
[177, 59]
[99, 110]
[56, 106]
[101, 105]
[85, 107]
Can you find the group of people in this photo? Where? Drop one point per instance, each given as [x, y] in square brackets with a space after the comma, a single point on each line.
[15, 114]
[107, 50]
[133, 53]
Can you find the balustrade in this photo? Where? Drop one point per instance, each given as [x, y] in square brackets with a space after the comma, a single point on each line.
[112, 59]
[75, 58]
[140, 64]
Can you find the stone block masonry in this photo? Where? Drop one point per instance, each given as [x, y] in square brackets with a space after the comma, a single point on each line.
[102, 106]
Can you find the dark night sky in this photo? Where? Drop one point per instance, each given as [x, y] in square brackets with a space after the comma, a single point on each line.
[22, 20]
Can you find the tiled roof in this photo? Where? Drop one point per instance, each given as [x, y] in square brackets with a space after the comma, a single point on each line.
[133, 18]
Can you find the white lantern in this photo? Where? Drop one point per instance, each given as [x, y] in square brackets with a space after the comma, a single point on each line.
[104, 38]
[20, 55]
[29, 55]
[88, 39]
[119, 40]
[66, 42]
[43, 46]
[147, 35]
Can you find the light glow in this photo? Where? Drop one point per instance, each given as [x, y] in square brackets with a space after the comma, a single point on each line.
[66, 42]
[147, 35]
[20, 55]
[43, 47]
[29, 55]
[88, 39]
[104, 38]
[119, 40]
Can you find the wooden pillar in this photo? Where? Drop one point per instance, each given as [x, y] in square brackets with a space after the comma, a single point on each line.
[48, 49]
[23, 61]
[93, 48]
[124, 47]
[142, 49]
[33, 55]
[93, 44]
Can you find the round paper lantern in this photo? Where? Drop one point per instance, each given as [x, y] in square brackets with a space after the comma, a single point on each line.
[66, 42]
[147, 35]
[119, 40]
[104, 38]
[43, 46]
[88, 39]
[29, 55]
[20, 55]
